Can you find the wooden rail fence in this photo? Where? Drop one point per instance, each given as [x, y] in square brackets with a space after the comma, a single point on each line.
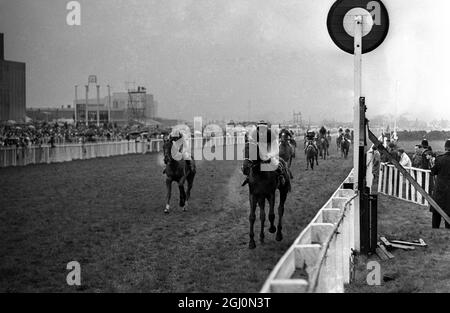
[319, 260]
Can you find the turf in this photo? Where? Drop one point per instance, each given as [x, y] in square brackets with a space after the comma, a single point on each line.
[107, 214]
[421, 270]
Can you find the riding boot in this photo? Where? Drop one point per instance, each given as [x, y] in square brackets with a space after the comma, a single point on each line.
[281, 176]
[245, 182]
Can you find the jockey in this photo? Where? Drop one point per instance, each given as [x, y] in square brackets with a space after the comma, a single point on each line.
[348, 135]
[266, 156]
[289, 134]
[310, 137]
[181, 148]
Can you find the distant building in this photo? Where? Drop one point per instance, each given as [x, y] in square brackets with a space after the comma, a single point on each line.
[12, 88]
[124, 107]
[51, 114]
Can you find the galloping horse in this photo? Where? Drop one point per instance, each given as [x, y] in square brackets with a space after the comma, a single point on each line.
[345, 147]
[323, 148]
[311, 155]
[263, 185]
[287, 150]
[180, 172]
[338, 142]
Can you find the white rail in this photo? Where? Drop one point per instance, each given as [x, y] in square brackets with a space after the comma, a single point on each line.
[392, 183]
[319, 260]
[12, 156]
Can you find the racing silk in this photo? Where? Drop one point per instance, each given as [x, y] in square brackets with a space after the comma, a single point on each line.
[268, 152]
[180, 148]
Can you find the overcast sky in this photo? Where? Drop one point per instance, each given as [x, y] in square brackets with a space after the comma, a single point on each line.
[214, 57]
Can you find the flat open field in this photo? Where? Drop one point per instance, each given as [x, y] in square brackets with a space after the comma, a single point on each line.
[107, 214]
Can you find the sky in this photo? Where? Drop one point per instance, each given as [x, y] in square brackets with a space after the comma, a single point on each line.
[231, 59]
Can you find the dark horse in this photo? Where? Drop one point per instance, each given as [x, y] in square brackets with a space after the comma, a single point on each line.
[262, 186]
[287, 150]
[338, 142]
[323, 147]
[180, 172]
[311, 155]
[345, 146]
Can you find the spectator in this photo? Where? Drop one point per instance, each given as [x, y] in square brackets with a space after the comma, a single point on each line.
[417, 157]
[427, 153]
[376, 161]
[405, 161]
[441, 169]
[392, 149]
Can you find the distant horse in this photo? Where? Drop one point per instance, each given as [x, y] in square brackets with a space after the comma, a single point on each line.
[338, 142]
[177, 171]
[328, 144]
[263, 185]
[345, 147]
[287, 152]
[323, 148]
[311, 155]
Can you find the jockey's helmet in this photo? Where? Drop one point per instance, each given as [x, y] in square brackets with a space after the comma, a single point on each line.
[175, 134]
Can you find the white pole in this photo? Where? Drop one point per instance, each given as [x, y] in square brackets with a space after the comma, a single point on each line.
[109, 104]
[86, 109]
[98, 105]
[76, 102]
[356, 122]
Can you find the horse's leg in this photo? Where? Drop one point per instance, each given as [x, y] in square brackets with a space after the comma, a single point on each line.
[169, 193]
[182, 196]
[283, 196]
[252, 218]
[190, 183]
[262, 217]
[289, 168]
[272, 228]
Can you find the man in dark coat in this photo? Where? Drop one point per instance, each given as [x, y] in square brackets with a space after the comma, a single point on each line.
[426, 155]
[441, 194]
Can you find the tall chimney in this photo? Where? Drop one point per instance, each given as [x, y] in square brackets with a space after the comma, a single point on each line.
[2, 46]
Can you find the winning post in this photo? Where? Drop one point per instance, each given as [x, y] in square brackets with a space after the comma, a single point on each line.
[358, 27]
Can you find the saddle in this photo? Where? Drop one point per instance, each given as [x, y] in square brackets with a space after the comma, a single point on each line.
[311, 143]
[282, 170]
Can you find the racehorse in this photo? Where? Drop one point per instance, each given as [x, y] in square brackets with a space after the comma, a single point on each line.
[328, 144]
[323, 148]
[311, 155]
[345, 147]
[338, 142]
[286, 150]
[263, 185]
[177, 171]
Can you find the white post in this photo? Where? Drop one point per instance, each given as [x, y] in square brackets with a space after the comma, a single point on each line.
[98, 105]
[75, 106]
[87, 102]
[109, 104]
[356, 122]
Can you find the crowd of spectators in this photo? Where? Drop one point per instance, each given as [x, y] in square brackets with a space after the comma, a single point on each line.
[57, 133]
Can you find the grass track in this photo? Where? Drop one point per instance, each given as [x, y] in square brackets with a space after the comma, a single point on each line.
[107, 214]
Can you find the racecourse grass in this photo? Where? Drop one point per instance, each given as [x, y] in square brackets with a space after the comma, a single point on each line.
[422, 270]
[107, 214]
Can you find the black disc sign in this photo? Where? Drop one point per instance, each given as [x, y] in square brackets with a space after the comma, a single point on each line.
[373, 39]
